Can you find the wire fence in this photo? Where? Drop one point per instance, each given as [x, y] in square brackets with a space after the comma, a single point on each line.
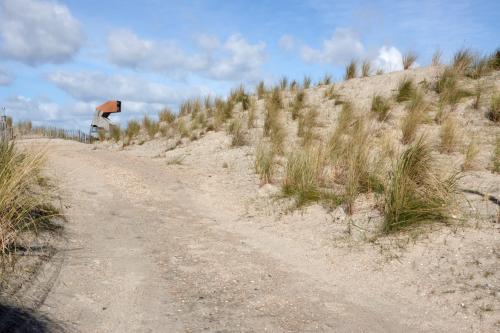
[55, 133]
[6, 132]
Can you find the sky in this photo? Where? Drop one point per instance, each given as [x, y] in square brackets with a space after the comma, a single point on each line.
[60, 59]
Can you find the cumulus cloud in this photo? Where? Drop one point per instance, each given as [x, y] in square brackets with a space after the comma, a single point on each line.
[21, 107]
[5, 78]
[36, 32]
[340, 48]
[235, 59]
[287, 42]
[94, 86]
[389, 59]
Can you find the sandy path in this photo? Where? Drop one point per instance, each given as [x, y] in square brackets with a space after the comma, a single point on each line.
[147, 252]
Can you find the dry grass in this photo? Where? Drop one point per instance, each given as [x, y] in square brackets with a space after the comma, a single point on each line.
[478, 91]
[273, 126]
[283, 83]
[494, 112]
[448, 135]
[235, 129]
[302, 175]
[413, 118]
[298, 104]
[24, 203]
[327, 80]
[265, 163]
[239, 95]
[480, 67]
[409, 59]
[448, 89]
[380, 107]
[115, 133]
[261, 90]
[365, 68]
[470, 154]
[330, 93]
[495, 60]
[406, 89]
[415, 193]
[166, 115]
[306, 84]
[495, 157]
[252, 116]
[462, 61]
[436, 57]
[350, 70]
[306, 126]
[152, 127]
[133, 128]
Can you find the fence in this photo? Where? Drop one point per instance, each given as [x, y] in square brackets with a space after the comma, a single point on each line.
[6, 132]
[55, 133]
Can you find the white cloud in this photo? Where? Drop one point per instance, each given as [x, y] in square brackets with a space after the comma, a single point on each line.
[287, 42]
[94, 86]
[342, 47]
[21, 107]
[235, 59]
[207, 42]
[36, 32]
[389, 59]
[5, 78]
[242, 60]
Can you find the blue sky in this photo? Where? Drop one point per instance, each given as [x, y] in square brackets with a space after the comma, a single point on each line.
[59, 59]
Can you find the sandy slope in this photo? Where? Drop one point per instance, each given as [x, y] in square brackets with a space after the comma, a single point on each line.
[195, 247]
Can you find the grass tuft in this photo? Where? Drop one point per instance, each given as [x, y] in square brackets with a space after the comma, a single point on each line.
[235, 129]
[436, 57]
[495, 157]
[115, 133]
[302, 175]
[415, 193]
[494, 112]
[462, 60]
[365, 68]
[448, 135]
[133, 128]
[307, 82]
[406, 89]
[24, 202]
[264, 163]
[409, 59]
[380, 107]
[470, 154]
[350, 70]
[166, 115]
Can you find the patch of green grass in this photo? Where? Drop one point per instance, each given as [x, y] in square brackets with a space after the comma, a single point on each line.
[380, 107]
[350, 70]
[415, 193]
[406, 89]
[302, 173]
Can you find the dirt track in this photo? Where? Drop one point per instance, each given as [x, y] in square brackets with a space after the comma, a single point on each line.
[149, 251]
